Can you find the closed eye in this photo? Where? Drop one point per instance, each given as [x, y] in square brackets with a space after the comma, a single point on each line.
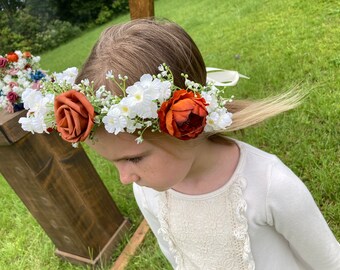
[134, 159]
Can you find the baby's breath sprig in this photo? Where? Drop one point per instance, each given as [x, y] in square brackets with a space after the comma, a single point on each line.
[121, 84]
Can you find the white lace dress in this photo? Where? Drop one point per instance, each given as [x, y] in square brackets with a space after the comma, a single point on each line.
[263, 218]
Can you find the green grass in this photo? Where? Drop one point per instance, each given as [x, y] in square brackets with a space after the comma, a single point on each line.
[279, 44]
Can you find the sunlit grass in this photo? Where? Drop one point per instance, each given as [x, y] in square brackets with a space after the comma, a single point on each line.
[279, 44]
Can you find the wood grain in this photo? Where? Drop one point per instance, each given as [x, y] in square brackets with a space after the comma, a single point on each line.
[62, 190]
[141, 9]
[131, 247]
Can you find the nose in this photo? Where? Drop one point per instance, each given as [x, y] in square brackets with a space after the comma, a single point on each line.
[125, 179]
[127, 176]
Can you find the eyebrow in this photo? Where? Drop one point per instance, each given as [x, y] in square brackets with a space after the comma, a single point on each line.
[142, 154]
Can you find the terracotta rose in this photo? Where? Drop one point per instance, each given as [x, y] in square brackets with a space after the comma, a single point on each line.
[184, 115]
[27, 55]
[12, 57]
[74, 116]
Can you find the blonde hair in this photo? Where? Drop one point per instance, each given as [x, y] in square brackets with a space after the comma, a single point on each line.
[140, 46]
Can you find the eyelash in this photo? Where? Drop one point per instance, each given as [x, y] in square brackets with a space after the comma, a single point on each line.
[135, 159]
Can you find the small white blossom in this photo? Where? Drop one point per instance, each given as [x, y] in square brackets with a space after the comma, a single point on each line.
[164, 91]
[85, 82]
[140, 101]
[218, 120]
[109, 75]
[139, 140]
[31, 98]
[36, 59]
[33, 124]
[7, 79]
[67, 76]
[114, 121]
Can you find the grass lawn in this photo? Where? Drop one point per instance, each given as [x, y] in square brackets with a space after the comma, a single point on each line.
[279, 44]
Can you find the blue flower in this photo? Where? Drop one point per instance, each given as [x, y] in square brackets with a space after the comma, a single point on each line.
[37, 75]
[18, 107]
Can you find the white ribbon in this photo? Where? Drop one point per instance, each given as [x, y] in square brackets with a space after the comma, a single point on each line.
[222, 77]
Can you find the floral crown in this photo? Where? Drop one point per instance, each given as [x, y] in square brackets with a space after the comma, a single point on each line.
[154, 102]
[18, 71]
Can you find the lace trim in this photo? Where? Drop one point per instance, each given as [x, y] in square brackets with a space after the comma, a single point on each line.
[235, 195]
[241, 232]
[165, 230]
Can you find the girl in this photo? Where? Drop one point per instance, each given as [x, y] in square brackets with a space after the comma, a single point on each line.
[213, 202]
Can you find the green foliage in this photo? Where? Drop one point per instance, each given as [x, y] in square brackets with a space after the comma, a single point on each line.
[55, 34]
[104, 15]
[26, 32]
[120, 6]
[107, 13]
[279, 44]
[38, 26]
[85, 13]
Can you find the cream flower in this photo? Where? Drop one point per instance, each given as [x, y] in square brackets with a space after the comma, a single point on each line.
[218, 120]
[114, 121]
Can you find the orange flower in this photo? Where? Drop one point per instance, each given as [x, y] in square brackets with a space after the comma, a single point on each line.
[12, 57]
[27, 55]
[74, 116]
[184, 115]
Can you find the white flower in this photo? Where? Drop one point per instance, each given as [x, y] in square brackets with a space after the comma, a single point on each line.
[36, 59]
[109, 75]
[164, 91]
[67, 76]
[114, 121]
[132, 125]
[36, 103]
[125, 109]
[142, 94]
[102, 93]
[139, 140]
[18, 90]
[24, 82]
[3, 102]
[18, 53]
[33, 124]
[218, 120]
[6, 89]
[85, 82]
[21, 63]
[151, 86]
[75, 145]
[7, 79]
[140, 101]
[211, 98]
[31, 98]
[163, 71]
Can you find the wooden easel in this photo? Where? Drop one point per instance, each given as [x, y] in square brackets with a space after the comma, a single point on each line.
[61, 189]
[141, 9]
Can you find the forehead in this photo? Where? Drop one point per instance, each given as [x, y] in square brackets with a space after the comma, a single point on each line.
[113, 147]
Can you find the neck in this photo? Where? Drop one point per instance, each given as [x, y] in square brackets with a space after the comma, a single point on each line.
[213, 165]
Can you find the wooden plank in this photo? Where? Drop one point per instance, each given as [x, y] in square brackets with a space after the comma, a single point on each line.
[10, 129]
[141, 9]
[131, 247]
[65, 194]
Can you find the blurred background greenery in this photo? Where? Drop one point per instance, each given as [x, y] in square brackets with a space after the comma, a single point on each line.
[278, 44]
